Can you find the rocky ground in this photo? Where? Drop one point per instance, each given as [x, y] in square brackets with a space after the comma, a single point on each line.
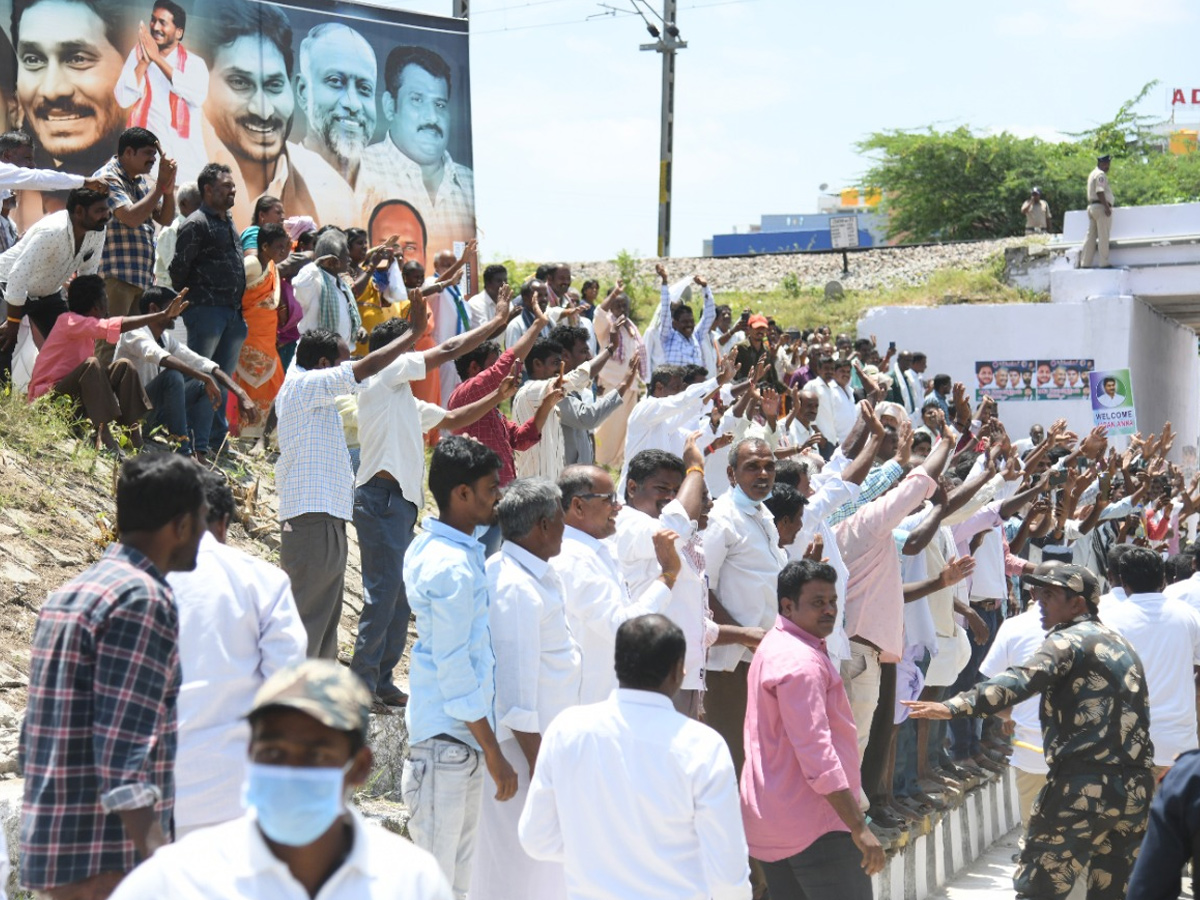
[872, 269]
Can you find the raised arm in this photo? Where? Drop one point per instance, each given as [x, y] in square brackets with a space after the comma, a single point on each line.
[456, 346]
[378, 360]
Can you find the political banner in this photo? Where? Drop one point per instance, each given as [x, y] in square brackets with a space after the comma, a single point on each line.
[1111, 393]
[1032, 379]
[352, 114]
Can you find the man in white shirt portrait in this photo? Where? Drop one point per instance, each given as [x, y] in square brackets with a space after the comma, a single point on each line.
[238, 626]
[183, 386]
[597, 598]
[308, 753]
[164, 87]
[667, 823]
[1109, 398]
[537, 677]
[482, 306]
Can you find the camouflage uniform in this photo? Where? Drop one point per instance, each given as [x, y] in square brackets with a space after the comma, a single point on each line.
[1095, 721]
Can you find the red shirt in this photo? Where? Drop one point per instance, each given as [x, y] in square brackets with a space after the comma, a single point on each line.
[801, 744]
[72, 340]
[495, 431]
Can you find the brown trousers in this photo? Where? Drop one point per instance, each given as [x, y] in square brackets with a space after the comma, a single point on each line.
[112, 393]
[123, 299]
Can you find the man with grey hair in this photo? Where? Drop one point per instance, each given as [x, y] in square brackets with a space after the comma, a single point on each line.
[335, 86]
[326, 300]
[538, 670]
[597, 598]
[187, 201]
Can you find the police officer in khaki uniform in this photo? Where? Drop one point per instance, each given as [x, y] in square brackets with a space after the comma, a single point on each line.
[1100, 206]
[1037, 213]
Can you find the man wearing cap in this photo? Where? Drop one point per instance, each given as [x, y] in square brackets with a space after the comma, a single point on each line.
[1099, 210]
[747, 354]
[308, 752]
[1092, 813]
[1037, 213]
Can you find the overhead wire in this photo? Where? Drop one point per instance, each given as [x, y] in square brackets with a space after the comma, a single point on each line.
[612, 14]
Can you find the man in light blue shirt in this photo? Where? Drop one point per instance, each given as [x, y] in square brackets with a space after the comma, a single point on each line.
[452, 686]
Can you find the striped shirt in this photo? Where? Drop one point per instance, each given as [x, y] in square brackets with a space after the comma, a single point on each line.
[99, 733]
[677, 349]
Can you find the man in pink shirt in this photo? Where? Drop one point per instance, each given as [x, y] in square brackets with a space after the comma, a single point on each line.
[800, 783]
[67, 366]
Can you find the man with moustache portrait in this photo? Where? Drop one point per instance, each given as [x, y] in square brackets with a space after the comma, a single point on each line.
[249, 116]
[69, 56]
[412, 162]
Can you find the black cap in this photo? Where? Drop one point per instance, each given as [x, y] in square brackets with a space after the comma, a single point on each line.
[1076, 579]
[1105, 158]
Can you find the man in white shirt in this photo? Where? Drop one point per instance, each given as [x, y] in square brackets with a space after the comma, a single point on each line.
[187, 201]
[326, 300]
[664, 418]
[1112, 571]
[596, 596]
[164, 87]
[743, 558]
[666, 822]
[546, 459]
[183, 386]
[537, 677]
[1187, 590]
[313, 474]
[238, 626]
[308, 752]
[1166, 635]
[389, 489]
[1018, 639]
[841, 398]
[450, 317]
[482, 306]
[33, 272]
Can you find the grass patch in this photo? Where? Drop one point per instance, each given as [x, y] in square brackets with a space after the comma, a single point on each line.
[49, 428]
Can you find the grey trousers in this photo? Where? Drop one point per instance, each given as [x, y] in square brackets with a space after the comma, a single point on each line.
[312, 550]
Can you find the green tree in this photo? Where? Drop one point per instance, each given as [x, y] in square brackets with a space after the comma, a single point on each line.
[959, 185]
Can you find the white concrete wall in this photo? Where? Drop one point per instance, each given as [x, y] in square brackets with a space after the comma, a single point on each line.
[1117, 332]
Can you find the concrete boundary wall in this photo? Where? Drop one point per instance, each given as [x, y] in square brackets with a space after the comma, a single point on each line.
[1117, 332]
[951, 841]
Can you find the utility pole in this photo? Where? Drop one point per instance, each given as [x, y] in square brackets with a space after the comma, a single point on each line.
[462, 9]
[668, 42]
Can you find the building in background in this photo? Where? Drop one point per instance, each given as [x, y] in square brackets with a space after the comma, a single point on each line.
[806, 232]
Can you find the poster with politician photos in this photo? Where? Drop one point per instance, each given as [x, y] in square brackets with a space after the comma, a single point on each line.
[1032, 379]
[1004, 379]
[352, 114]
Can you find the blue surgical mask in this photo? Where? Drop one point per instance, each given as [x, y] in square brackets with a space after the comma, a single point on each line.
[743, 502]
[295, 806]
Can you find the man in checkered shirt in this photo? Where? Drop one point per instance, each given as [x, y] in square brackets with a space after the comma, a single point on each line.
[98, 741]
[677, 325]
[136, 203]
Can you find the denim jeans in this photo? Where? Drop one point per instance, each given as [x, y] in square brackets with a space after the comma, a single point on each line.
[182, 407]
[829, 867]
[965, 732]
[384, 520]
[442, 786]
[217, 332]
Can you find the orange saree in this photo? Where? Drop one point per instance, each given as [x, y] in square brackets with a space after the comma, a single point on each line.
[259, 369]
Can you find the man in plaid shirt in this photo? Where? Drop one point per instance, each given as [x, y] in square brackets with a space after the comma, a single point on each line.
[98, 741]
[136, 204]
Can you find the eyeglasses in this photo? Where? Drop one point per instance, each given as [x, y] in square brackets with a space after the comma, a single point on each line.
[611, 498]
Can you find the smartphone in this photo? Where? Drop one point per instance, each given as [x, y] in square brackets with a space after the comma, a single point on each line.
[891, 346]
[518, 367]
[1058, 477]
[745, 315]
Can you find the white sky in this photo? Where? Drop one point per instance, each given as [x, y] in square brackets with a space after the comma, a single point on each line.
[771, 97]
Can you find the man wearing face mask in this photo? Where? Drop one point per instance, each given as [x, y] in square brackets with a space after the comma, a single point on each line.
[308, 752]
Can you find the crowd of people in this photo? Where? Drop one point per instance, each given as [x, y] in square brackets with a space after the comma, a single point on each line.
[711, 608]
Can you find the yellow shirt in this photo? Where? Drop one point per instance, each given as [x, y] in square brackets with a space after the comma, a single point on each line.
[373, 311]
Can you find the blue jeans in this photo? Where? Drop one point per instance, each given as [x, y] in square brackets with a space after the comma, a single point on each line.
[182, 407]
[965, 731]
[217, 332]
[442, 786]
[384, 521]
